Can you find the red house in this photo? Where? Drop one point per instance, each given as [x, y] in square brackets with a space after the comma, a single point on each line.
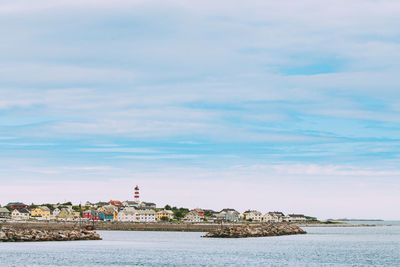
[91, 215]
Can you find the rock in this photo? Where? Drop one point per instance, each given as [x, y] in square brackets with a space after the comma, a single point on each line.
[32, 235]
[240, 231]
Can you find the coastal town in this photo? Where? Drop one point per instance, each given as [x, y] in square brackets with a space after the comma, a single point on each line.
[137, 211]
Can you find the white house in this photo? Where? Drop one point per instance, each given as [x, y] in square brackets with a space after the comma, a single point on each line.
[146, 215]
[296, 218]
[274, 216]
[128, 215]
[55, 213]
[20, 215]
[192, 216]
[253, 215]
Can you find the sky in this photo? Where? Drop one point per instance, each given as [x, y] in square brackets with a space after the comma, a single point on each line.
[269, 105]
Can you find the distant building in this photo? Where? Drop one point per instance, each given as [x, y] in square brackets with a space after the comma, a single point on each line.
[252, 215]
[108, 213]
[228, 215]
[66, 214]
[147, 205]
[274, 216]
[296, 218]
[128, 215]
[131, 204]
[115, 203]
[147, 215]
[192, 216]
[168, 214]
[41, 212]
[4, 213]
[17, 205]
[200, 212]
[91, 215]
[20, 214]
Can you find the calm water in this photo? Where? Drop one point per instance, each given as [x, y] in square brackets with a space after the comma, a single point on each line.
[328, 246]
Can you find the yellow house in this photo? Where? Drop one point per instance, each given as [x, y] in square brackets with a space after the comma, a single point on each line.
[168, 214]
[42, 212]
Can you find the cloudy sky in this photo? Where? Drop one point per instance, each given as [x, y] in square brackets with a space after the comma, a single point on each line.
[268, 105]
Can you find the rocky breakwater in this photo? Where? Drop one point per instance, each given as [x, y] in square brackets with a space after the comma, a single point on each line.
[34, 235]
[240, 231]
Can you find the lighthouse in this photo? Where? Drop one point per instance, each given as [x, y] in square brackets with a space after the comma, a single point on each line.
[137, 194]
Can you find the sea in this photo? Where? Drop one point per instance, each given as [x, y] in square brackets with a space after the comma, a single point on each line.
[323, 246]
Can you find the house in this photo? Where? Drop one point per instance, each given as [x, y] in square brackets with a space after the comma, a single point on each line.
[66, 214]
[92, 215]
[20, 214]
[146, 215]
[128, 215]
[252, 215]
[296, 218]
[274, 216]
[200, 212]
[147, 205]
[106, 216]
[228, 215]
[4, 213]
[41, 212]
[55, 212]
[17, 205]
[167, 214]
[192, 216]
[132, 204]
[116, 203]
[108, 213]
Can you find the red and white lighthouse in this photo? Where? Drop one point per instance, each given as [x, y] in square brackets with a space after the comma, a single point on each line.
[137, 194]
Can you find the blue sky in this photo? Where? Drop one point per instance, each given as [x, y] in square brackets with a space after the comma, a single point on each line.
[268, 105]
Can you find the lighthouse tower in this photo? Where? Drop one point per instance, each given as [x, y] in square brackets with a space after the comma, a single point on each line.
[137, 194]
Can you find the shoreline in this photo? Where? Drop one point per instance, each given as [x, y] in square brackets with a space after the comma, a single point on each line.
[171, 227]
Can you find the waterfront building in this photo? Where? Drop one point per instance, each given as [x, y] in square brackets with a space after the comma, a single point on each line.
[91, 215]
[55, 213]
[296, 218]
[20, 214]
[66, 214]
[41, 212]
[128, 215]
[192, 216]
[228, 215]
[252, 215]
[4, 213]
[200, 212]
[17, 205]
[165, 214]
[108, 213]
[274, 216]
[147, 215]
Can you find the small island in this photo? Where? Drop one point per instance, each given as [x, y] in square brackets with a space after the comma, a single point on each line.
[241, 231]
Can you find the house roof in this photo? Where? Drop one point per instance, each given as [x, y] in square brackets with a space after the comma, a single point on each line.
[22, 211]
[4, 210]
[296, 215]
